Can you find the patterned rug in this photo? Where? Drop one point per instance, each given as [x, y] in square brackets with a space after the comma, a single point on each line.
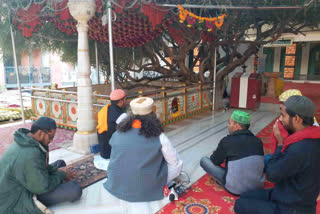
[6, 136]
[85, 172]
[207, 197]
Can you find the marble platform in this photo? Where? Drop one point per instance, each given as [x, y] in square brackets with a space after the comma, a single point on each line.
[193, 138]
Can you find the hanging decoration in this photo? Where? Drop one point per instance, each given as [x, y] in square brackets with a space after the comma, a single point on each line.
[133, 27]
[28, 21]
[210, 26]
[190, 21]
[176, 34]
[184, 14]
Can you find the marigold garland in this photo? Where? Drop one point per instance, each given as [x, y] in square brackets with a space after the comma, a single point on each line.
[183, 13]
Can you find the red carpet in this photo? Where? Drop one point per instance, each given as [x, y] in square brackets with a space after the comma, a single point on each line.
[6, 136]
[206, 197]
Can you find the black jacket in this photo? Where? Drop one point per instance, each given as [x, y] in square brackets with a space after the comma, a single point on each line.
[240, 144]
[296, 173]
[114, 112]
[243, 154]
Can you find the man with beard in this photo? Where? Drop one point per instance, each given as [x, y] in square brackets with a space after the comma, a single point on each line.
[142, 159]
[28, 183]
[294, 167]
[108, 118]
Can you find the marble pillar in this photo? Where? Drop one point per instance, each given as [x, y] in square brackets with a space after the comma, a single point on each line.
[82, 11]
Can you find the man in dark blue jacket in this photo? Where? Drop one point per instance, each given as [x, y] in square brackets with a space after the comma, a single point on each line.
[294, 167]
[243, 154]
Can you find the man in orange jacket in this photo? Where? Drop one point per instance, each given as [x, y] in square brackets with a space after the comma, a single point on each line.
[107, 120]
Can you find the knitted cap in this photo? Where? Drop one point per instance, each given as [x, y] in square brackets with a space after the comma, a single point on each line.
[300, 105]
[288, 93]
[117, 94]
[241, 117]
[141, 105]
[45, 123]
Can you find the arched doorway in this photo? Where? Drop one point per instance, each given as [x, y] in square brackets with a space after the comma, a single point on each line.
[175, 107]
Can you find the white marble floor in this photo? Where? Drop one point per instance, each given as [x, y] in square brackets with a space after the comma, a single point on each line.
[193, 138]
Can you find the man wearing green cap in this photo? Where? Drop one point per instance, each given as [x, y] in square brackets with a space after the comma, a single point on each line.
[243, 154]
[294, 167]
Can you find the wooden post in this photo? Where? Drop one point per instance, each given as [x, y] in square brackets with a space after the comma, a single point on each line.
[164, 104]
[200, 94]
[185, 98]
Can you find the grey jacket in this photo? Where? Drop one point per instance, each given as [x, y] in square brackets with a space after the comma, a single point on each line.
[137, 171]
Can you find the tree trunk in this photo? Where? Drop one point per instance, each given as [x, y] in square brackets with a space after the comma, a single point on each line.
[220, 88]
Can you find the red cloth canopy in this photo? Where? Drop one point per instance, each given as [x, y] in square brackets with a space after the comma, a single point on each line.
[133, 27]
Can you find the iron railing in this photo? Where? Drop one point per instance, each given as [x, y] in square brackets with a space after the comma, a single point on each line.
[29, 76]
[306, 77]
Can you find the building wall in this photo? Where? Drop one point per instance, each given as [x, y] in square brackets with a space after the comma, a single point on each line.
[61, 73]
[302, 64]
[36, 58]
[24, 59]
[56, 68]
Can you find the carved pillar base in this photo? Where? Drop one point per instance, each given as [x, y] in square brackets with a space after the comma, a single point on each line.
[82, 143]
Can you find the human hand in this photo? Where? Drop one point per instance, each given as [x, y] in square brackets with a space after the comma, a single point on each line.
[69, 175]
[277, 134]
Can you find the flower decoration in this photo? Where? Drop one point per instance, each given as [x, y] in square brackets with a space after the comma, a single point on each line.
[190, 21]
[209, 25]
[185, 14]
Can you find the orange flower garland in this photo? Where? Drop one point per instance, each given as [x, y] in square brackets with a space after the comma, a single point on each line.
[183, 13]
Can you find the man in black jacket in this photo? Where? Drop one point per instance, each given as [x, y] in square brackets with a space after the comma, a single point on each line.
[107, 120]
[243, 154]
[294, 167]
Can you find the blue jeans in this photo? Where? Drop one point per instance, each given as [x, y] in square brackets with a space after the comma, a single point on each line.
[217, 172]
[69, 191]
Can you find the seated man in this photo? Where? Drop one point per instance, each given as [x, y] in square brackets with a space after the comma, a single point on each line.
[243, 154]
[292, 92]
[26, 177]
[142, 159]
[108, 118]
[294, 167]
[284, 133]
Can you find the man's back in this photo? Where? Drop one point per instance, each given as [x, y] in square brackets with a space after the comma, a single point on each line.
[243, 153]
[137, 169]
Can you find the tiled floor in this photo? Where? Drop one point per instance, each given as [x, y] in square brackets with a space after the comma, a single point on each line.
[193, 138]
